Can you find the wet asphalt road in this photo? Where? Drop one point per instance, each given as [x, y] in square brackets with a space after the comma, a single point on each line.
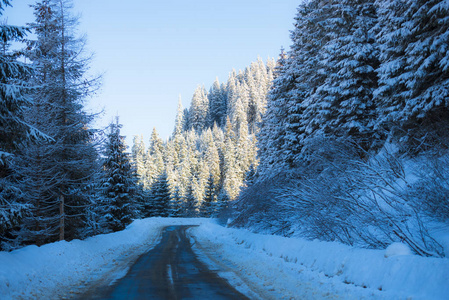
[171, 270]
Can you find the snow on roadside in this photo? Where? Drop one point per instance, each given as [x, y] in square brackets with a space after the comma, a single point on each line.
[261, 266]
[294, 268]
[63, 268]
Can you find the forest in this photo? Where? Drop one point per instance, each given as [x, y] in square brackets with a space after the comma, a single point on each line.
[343, 137]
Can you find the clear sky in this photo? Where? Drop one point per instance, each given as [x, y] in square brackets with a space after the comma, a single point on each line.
[153, 51]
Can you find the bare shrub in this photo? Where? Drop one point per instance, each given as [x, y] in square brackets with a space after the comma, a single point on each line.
[338, 194]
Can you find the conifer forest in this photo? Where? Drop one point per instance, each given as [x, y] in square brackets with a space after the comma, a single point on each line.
[344, 137]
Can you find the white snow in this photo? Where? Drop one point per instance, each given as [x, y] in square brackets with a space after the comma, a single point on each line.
[397, 249]
[262, 266]
[294, 268]
[63, 269]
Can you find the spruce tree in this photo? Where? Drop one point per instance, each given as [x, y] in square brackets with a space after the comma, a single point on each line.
[199, 110]
[217, 104]
[119, 183]
[413, 76]
[189, 204]
[350, 61]
[139, 158]
[13, 128]
[208, 205]
[59, 171]
[160, 196]
[155, 159]
[176, 204]
[179, 122]
[271, 137]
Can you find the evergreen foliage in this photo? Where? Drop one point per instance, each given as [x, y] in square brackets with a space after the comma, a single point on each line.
[213, 140]
[362, 90]
[414, 72]
[160, 197]
[14, 130]
[119, 185]
[58, 172]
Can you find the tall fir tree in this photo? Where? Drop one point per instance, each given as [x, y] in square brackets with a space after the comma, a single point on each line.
[413, 76]
[217, 104]
[271, 138]
[161, 196]
[119, 183]
[350, 60]
[199, 110]
[207, 208]
[67, 163]
[179, 122]
[14, 130]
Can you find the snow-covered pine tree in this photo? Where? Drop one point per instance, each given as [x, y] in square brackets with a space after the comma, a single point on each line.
[176, 203]
[413, 76]
[160, 196]
[207, 208]
[155, 159]
[313, 31]
[60, 171]
[13, 129]
[271, 138]
[199, 110]
[217, 104]
[139, 158]
[211, 156]
[119, 183]
[189, 204]
[231, 174]
[179, 121]
[349, 61]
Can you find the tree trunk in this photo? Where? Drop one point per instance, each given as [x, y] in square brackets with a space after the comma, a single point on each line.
[61, 218]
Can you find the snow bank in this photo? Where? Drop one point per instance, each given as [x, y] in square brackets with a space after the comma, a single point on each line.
[271, 267]
[63, 268]
[332, 267]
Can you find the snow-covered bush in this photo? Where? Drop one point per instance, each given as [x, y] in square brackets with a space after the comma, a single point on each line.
[340, 195]
[431, 192]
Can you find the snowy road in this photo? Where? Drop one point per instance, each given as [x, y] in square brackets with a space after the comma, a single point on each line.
[171, 270]
[187, 260]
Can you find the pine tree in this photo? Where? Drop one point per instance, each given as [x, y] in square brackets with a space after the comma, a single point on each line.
[13, 87]
[155, 159]
[208, 205]
[179, 122]
[60, 170]
[349, 60]
[176, 204]
[413, 76]
[13, 128]
[211, 156]
[199, 110]
[271, 137]
[119, 181]
[313, 31]
[189, 204]
[217, 104]
[231, 175]
[160, 196]
[139, 158]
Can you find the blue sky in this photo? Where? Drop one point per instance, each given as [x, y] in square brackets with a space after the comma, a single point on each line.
[153, 51]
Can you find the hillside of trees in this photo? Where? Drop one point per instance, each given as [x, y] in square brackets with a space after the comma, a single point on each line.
[212, 152]
[353, 144]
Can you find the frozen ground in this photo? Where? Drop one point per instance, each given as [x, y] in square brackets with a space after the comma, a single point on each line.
[64, 269]
[261, 266]
[289, 268]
